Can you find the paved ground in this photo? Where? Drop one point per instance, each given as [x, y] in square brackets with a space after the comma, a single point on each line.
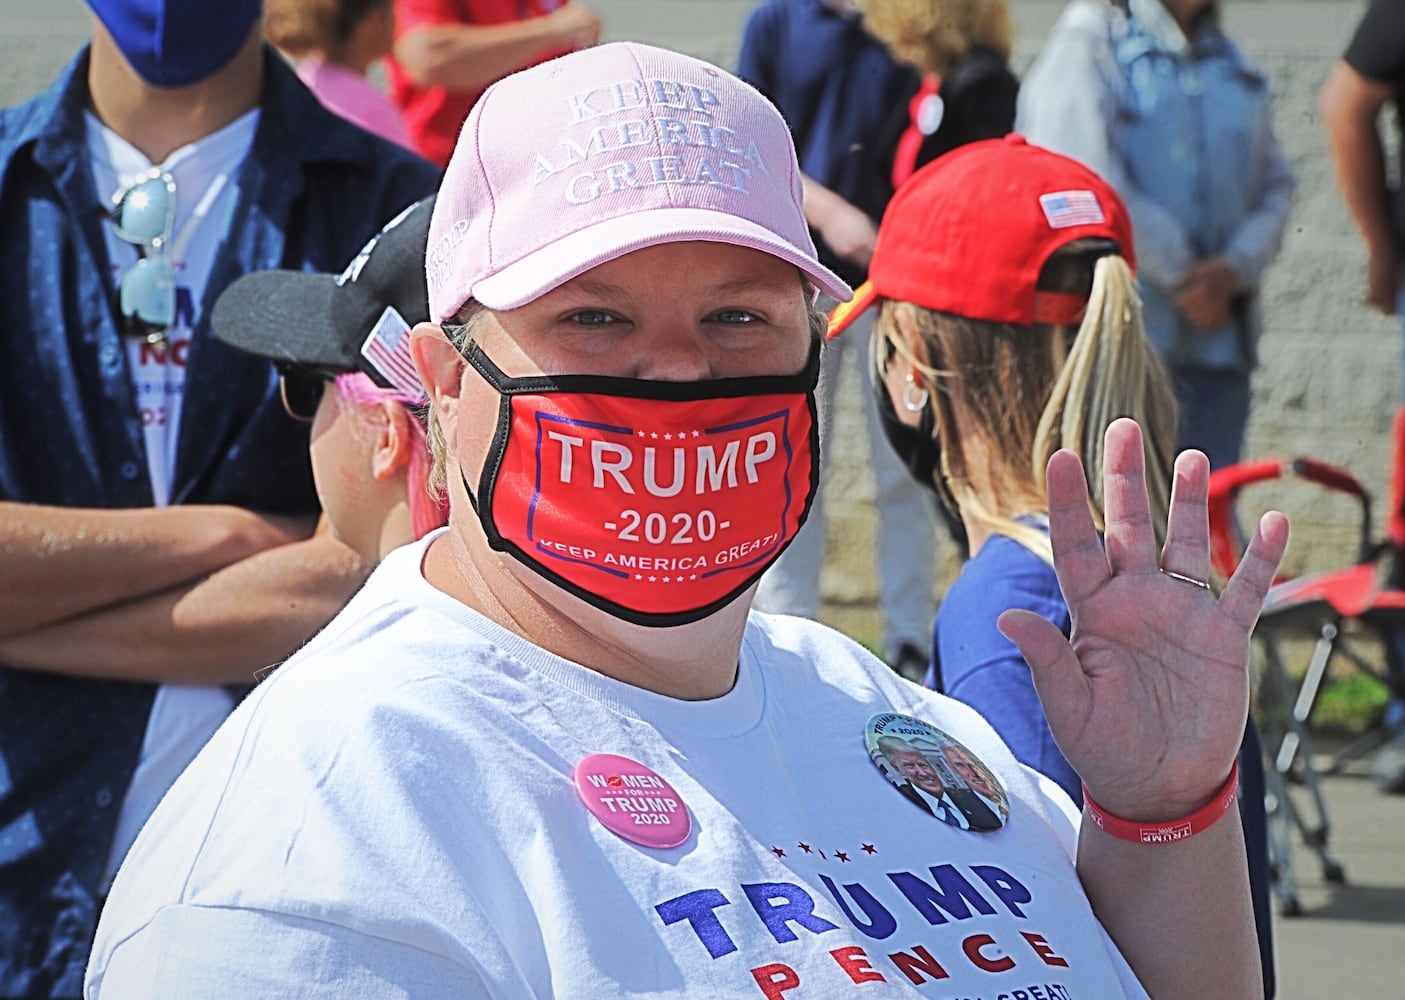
[1349, 940]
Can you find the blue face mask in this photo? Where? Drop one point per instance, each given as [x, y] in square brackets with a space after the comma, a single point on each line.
[174, 43]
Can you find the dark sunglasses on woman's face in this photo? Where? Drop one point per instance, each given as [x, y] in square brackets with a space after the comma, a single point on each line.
[301, 390]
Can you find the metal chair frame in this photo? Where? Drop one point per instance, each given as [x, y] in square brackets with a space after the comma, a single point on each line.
[1336, 609]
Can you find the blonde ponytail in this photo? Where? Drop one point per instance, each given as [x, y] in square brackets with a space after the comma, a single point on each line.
[1112, 371]
[1006, 398]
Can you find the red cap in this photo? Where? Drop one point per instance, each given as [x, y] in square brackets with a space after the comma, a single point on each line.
[970, 232]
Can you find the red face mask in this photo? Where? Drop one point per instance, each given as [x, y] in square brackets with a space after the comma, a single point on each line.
[658, 502]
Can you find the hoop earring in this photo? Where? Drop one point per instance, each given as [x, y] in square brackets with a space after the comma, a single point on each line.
[914, 396]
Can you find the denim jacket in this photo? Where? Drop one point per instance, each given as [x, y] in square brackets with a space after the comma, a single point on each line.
[1182, 127]
[311, 191]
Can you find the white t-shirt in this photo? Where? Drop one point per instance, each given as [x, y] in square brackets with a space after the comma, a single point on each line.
[393, 814]
[182, 717]
[203, 172]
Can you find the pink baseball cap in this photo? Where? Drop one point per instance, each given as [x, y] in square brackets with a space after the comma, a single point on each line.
[577, 161]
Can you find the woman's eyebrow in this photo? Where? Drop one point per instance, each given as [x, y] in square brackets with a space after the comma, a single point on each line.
[736, 286]
[744, 285]
[593, 286]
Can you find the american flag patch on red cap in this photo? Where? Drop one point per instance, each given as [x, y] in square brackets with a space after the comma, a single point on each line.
[1072, 208]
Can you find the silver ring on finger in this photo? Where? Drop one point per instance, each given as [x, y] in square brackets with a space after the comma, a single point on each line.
[1202, 584]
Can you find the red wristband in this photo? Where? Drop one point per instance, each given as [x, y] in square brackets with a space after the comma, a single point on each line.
[1170, 831]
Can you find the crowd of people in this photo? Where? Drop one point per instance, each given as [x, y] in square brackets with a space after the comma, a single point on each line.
[411, 499]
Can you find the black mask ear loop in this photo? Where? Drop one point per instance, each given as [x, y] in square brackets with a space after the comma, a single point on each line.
[916, 447]
[490, 373]
[467, 348]
[920, 452]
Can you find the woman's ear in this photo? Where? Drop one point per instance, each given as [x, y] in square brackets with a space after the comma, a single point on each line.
[903, 377]
[390, 425]
[440, 367]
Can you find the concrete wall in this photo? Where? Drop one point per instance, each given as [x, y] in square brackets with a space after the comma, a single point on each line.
[1332, 370]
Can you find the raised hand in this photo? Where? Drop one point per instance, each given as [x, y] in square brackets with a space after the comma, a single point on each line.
[1148, 698]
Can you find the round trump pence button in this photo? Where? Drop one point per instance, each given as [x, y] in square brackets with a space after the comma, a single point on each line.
[936, 772]
[632, 801]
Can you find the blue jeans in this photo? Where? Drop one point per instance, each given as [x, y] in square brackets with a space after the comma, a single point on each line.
[1214, 412]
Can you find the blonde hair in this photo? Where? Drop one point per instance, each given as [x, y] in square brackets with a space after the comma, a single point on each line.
[1007, 397]
[459, 331]
[934, 34]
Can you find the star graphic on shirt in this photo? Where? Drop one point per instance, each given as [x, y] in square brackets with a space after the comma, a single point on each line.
[869, 849]
[804, 847]
[778, 852]
[842, 856]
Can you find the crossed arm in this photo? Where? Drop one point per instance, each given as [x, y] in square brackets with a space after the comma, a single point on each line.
[193, 595]
[1147, 699]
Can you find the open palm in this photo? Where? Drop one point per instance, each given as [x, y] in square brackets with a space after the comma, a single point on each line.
[1148, 697]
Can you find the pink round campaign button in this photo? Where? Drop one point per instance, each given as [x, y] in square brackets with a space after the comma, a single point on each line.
[632, 801]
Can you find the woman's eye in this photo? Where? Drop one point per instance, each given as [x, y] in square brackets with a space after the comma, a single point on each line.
[738, 317]
[593, 317]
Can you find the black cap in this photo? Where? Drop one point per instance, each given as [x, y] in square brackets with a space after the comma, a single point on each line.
[335, 323]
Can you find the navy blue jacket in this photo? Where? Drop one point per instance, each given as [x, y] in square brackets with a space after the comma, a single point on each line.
[836, 85]
[310, 193]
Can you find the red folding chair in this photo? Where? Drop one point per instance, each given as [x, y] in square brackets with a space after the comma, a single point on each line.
[1354, 616]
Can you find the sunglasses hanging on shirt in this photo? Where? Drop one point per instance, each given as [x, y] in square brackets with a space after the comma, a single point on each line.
[144, 215]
